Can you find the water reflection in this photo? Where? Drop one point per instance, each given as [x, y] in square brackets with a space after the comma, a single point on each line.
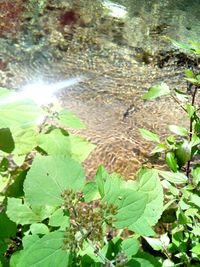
[114, 43]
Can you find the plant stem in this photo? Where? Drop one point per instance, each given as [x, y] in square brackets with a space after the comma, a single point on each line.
[191, 133]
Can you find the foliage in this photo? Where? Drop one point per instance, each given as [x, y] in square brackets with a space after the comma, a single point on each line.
[180, 150]
[50, 214]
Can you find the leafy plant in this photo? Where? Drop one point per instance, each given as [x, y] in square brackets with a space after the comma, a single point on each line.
[180, 150]
[50, 214]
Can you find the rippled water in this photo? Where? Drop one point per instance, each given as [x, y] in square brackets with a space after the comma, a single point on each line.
[115, 51]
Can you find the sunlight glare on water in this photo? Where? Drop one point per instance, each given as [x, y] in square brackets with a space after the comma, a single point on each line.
[40, 92]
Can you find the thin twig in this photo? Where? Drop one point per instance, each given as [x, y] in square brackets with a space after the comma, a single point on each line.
[176, 100]
[191, 133]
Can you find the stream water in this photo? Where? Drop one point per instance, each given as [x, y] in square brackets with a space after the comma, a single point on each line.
[115, 45]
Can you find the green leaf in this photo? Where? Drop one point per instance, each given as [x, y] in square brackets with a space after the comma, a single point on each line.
[59, 219]
[157, 91]
[192, 80]
[7, 227]
[100, 178]
[18, 114]
[140, 204]
[183, 46]
[195, 199]
[171, 161]
[130, 247]
[146, 134]
[196, 249]
[16, 188]
[90, 192]
[69, 119]
[25, 140]
[47, 251]
[149, 258]
[55, 143]
[189, 73]
[190, 110]
[176, 178]
[159, 148]
[39, 228]
[15, 257]
[6, 140]
[49, 177]
[178, 130]
[155, 243]
[80, 148]
[196, 174]
[22, 213]
[29, 240]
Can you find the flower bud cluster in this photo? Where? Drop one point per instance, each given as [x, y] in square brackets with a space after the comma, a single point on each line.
[121, 259]
[86, 220]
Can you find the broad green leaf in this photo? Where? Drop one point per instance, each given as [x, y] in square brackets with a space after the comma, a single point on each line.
[80, 148]
[140, 204]
[18, 114]
[49, 176]
[25, 140]
[90, 192]
[47, 251]
[21, 213]
[146, 134]
[39, 228]
[178, 130]
[130, 247]
[15, 257]
[157, 91]
[150, 260]
[176, 178]
[6, 140]
[55, 143]
[29, 240]
[7, 227]
[59, 219]
[3, 246]
[69, 119]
